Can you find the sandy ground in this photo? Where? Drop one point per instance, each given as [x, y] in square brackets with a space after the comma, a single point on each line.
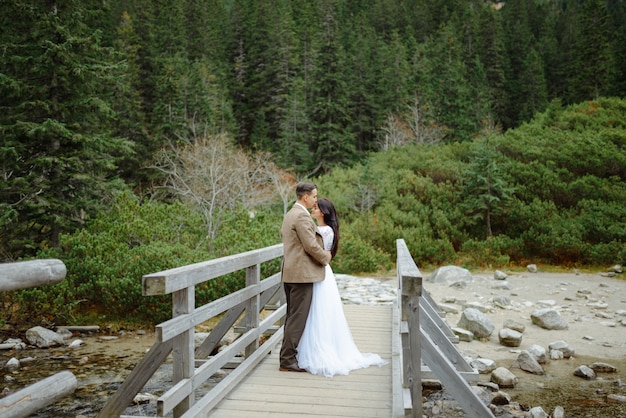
[592, 331]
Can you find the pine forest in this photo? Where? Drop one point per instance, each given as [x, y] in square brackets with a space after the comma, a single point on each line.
[140, 135]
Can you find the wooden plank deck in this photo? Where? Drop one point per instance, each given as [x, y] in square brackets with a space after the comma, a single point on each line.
[267, 392]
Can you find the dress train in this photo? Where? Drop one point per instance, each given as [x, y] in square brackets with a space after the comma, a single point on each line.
[327, 347]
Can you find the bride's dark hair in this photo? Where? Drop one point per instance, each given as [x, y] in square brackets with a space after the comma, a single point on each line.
[330, 217]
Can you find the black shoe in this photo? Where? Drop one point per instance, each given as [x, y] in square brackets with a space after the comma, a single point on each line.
[291, 368]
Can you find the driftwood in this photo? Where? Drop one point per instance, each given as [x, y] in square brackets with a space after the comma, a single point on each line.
[33, 273]
[79, 328]
[38, 395]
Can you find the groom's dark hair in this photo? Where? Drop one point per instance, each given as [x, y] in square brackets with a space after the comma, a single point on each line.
[303, 188]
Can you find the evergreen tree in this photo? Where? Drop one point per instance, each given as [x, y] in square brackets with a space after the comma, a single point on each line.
[533, 80]
[364, 67]
[126, 99]
[485, 189]
[617, 29]
[333, 143]
[58, 156]
[264, 66]
[593, 65]
[518, 41]
[444, 85]
[491, 51]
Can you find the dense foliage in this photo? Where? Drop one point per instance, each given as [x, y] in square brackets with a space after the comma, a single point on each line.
[550, 191]
[106, 260]
[479, 131]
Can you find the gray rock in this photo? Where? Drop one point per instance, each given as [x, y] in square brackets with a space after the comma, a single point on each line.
[598, 305]
[483, 365]
[43, 337]
[559, 412]
[459, 285]
[12, 364]
[600, 367]
[477, 322]
[563, 347]
[536, 412]
[499, 275]
[556, 355]
[501, 398]
[502, 286]
[504, 378]
[527, 362]
[509, 337]
[532, 268]
[517, 326]
[463, 334]
[76, 344]
[451, 274]
[538, 352]
[548, 319]
[501, 301]
[476, 305]
[585, 372]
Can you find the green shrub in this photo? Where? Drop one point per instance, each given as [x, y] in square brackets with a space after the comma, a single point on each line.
[491, 252]
[357, 256]
[106, 261]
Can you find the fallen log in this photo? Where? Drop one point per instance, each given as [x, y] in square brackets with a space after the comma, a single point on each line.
[33, 273]
[38, 395]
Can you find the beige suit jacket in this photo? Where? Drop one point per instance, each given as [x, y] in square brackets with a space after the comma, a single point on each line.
[304, 256]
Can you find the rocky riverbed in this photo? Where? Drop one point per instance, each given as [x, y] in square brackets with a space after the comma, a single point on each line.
[592, 304]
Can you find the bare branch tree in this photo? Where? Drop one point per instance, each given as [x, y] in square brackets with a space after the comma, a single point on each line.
[412, 127]
[217, 177]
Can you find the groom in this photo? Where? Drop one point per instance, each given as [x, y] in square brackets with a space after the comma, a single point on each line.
[303, 264]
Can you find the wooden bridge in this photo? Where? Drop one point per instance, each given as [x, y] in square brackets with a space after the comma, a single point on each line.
[410, 334]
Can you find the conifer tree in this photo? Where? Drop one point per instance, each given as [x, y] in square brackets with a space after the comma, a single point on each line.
[330, 123]
[592, 73]
[58, 157]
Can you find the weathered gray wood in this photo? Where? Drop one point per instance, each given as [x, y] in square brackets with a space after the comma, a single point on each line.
[137, 379]
[364, 393]
[410, 283]
[38, 395]
[252, 317]
[173, 327]
[169, 399]
[183, 303]
[446, 347]
[397, 401]
[456, 385]
[33, 273]
[437, 320]
[79, 328]
[229, 382]
[169, 281]
[414, 369]
[228, 320]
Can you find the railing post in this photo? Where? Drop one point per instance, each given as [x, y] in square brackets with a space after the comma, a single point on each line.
[183, 362]
[410, 283]
[252, 318]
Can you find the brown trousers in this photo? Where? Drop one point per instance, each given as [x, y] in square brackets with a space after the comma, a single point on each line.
[299, 297]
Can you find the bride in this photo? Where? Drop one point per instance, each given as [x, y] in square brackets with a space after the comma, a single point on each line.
[327, 347]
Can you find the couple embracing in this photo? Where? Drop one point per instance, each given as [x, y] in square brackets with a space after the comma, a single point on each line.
[317, 338]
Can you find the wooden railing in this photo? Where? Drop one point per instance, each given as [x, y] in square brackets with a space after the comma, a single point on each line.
[406, 348]
[421, 334]
[192, 367]
[25, 402]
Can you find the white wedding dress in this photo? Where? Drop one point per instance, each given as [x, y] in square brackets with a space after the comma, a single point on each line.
[327, 347]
